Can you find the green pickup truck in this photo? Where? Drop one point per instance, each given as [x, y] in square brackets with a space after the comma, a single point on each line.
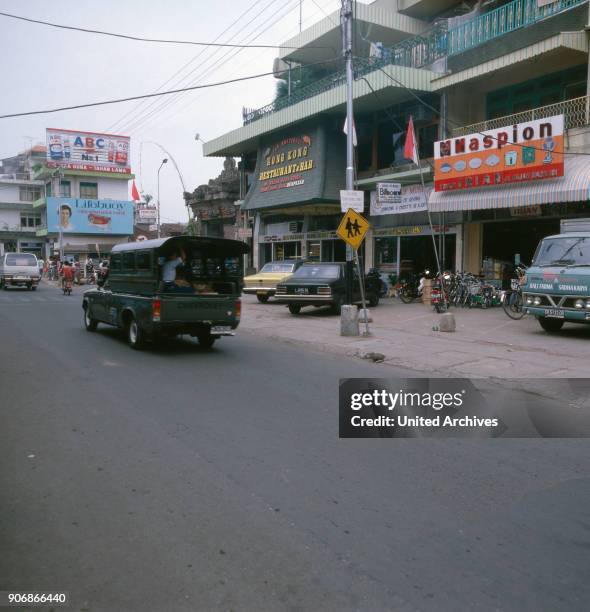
[557, 288]
[203, 300]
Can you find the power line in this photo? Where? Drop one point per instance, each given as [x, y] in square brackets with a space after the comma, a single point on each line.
[179, 81]
[150, 40]
[152, 95]
[219, 63]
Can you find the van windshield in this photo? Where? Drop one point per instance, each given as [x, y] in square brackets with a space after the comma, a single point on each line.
[566, 251]
[21, 259]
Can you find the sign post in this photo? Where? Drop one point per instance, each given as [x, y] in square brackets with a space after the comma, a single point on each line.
[352, 230]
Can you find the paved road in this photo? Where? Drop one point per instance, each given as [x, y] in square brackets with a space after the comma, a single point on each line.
[181, 479]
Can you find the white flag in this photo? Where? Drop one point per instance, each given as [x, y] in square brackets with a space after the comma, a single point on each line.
[345, 130]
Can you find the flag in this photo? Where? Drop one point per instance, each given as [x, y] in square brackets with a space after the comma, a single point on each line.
[134, 193]
[410, 148]
[345, 130]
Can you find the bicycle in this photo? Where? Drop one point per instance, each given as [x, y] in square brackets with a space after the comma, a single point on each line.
[513, 302]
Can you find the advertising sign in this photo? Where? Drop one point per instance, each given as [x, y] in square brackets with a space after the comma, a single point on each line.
[521, 152]
[90, 151]
[79, 216]
[148, 213]
[412, 199]
[286, 163]
[389, 193]
[352, 199]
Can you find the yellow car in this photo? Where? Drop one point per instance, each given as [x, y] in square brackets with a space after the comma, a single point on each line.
[264, 284]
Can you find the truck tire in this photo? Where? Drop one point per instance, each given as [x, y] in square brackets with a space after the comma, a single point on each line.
[89, 323]
[135, 335]
[550, 325]
[263, 299]
[294, 308]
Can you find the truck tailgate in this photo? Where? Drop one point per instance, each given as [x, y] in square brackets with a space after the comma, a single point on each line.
[178, 308]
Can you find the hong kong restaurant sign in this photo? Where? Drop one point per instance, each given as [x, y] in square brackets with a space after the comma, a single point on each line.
[522, 152]
[285, 163]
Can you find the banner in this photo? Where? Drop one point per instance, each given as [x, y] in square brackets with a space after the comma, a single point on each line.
[412, 200]
[513, 154]
[88, 151]
[78, 216]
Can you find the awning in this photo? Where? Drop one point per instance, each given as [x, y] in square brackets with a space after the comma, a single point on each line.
[574, 186]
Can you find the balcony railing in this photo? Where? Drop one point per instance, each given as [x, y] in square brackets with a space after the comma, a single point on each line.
[424, 50]
[576, 113]
[500, 21]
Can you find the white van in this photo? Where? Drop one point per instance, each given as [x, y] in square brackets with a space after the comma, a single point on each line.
[19, 270]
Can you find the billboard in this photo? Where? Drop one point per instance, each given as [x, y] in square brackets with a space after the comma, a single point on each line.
[522, 152]
[89, 151]
[412, 198]
[80, 216]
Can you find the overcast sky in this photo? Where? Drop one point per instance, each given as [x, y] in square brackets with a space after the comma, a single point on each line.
[43, 67]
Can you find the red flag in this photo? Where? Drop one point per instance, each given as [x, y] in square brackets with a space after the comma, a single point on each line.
[410, 148]
[134, 193]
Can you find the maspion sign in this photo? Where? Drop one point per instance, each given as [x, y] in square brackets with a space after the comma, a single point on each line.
[513, 154]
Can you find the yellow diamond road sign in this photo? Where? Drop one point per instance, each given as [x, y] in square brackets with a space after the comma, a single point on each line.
[352, 228]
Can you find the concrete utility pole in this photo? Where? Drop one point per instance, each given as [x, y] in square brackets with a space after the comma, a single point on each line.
[347, 51]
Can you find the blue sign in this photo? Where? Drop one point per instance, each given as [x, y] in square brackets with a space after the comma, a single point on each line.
[80, 216]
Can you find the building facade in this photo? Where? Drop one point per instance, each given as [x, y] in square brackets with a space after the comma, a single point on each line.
[457, 69]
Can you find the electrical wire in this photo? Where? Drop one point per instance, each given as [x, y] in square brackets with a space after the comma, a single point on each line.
[141, 39]
[152, 95]
[181, 81]
[194, 58]
[159, 106]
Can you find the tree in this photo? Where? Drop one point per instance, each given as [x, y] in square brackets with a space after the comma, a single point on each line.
[147, 198]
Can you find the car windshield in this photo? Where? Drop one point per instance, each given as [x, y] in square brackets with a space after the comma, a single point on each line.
[568, 251]
[325, 271]
[20, 259]
[277, 267]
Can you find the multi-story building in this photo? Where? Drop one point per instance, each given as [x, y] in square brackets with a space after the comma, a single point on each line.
[457, 68]
[18, 219]
[85, 206]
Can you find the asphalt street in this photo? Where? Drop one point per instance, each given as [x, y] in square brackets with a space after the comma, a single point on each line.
[182, 479]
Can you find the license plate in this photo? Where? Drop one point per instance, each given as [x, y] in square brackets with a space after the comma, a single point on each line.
[220, 329]
[301, 290]
[554, 313]
[261, 292]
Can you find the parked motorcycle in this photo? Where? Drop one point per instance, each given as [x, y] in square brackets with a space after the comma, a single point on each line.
[67, 287]
[411, 288]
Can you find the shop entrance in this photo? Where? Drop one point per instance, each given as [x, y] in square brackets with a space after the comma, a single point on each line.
[504, 239]
[417, 253]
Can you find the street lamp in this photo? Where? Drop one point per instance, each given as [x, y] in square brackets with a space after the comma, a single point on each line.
[164, 161]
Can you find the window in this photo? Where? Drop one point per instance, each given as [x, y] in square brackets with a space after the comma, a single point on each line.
[143, 260]
[48, 189]
[115, 261]
[29, 194]
[29, 220]
[21, 259]
[89, 191]
[65, 189]
[128, 261]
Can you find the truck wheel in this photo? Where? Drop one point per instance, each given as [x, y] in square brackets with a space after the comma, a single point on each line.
[206, 340]
[89, 323]
[135, 335]
[262, 298]
[34, 288]
[294, 308]
[550, 325]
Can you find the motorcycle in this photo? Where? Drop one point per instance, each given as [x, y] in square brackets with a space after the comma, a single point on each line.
[67, 287]
[439, 296]
[411, 288]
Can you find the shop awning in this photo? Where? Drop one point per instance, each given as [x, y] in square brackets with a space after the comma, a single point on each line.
[574, 186]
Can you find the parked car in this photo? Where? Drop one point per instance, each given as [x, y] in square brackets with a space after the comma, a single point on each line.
[557, 285]
[322, 284]
[203, 301]
[19, 270]
[264, 284]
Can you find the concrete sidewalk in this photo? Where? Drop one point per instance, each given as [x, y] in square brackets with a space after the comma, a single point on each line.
[487, 343]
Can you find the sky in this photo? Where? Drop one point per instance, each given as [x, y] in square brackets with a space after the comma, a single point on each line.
[45, 67]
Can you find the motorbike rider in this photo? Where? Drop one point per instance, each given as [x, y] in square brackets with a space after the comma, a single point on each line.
[68, 274]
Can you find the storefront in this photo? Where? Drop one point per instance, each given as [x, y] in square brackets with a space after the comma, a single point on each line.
[295, 195]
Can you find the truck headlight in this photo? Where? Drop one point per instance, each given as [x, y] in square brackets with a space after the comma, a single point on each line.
[588, 304]
[537, 301]
[529, 300]
[579, 304]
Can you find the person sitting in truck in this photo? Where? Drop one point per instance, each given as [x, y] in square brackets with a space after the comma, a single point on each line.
[169, 269]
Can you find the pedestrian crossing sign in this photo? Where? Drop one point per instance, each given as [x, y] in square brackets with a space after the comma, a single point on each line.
[352, 228]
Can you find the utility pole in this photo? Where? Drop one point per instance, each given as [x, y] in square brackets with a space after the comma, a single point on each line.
[347, 51]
